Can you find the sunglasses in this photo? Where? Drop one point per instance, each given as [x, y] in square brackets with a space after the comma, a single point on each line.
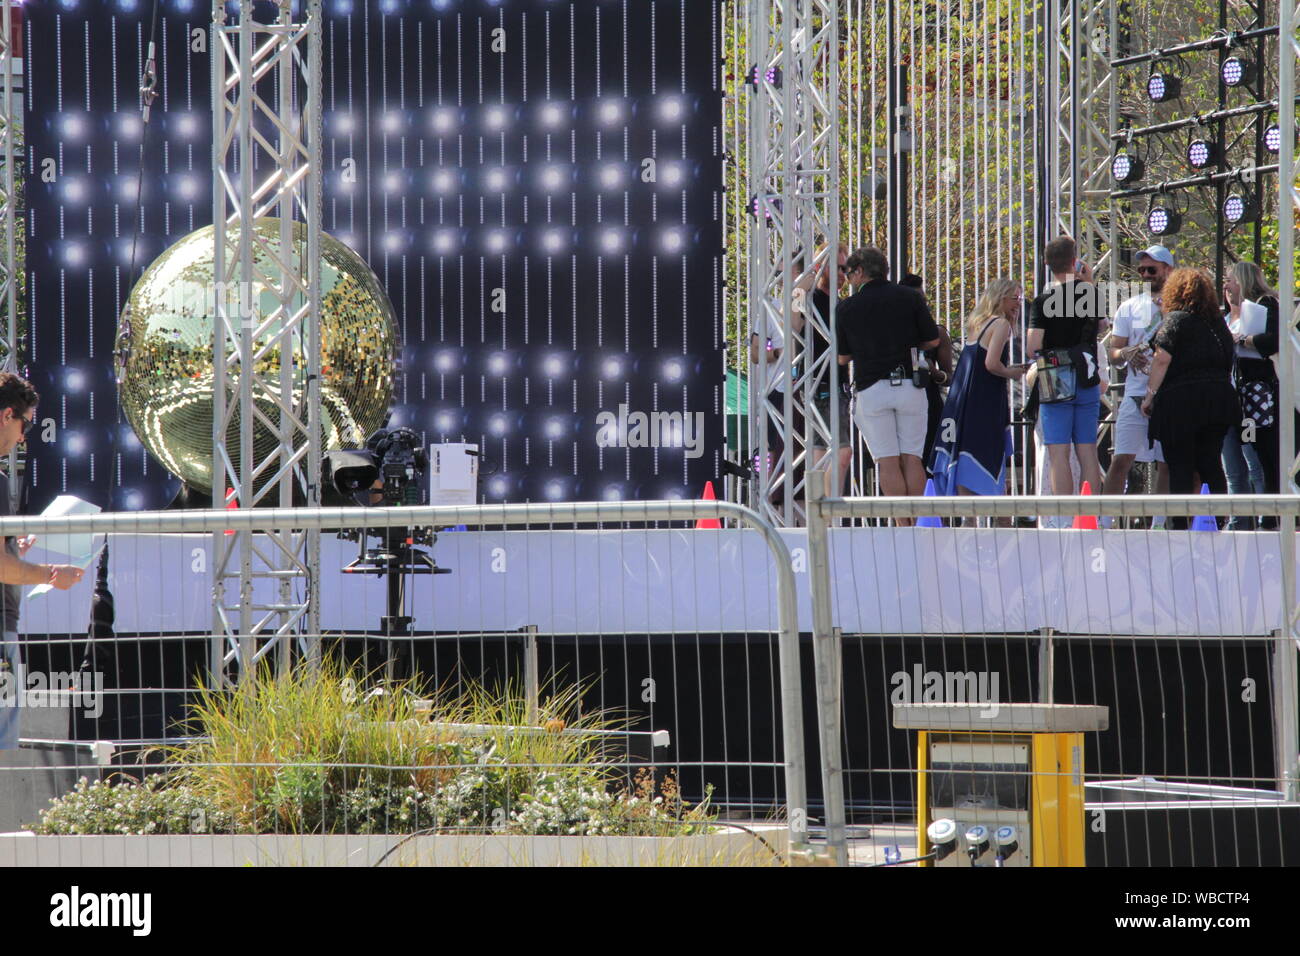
[28, 424]
[1148, 270]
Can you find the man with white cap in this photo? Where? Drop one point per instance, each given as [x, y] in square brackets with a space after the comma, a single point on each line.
[1136, 322]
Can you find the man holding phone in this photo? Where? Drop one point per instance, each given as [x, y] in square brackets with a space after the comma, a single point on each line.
[1136, 322]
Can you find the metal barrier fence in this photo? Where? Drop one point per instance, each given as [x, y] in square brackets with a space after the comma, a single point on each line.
[606, 671]
[578, 679]
[1185, 636]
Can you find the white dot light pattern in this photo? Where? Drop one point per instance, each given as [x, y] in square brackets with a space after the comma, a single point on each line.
[541, 277]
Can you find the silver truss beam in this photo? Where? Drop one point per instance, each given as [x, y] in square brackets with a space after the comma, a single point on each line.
[794, 173]
[266, 162]
[1287, 687]
[1083, 105]
[11, 110]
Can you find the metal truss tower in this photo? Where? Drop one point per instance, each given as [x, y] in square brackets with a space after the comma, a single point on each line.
[266, 159]
[794, 180]
[1083, 105]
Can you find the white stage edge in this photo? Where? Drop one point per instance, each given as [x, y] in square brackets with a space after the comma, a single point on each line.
[943, 581]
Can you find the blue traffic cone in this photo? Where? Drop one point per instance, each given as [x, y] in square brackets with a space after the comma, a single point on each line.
[930, 522]
[1204, 522]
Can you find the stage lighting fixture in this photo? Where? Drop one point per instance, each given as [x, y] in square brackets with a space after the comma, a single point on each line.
[1164, 220]
[1273, 139]
[1127, 167]
[670, 109]
[1237, 71]
[1202, 153]
[1163, 86]
[756, 207]
[774, 77]
[1238, 208]
[552, 114]
[611, 241]
[610, 112]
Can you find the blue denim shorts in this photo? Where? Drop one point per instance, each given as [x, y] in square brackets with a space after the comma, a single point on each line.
[1073, 422]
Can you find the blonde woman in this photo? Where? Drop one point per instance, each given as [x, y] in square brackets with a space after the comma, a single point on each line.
[974, 440]
[1256, 379]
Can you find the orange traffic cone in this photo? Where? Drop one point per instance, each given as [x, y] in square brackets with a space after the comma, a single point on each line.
[709, 496]
[232, 504]
[1085, 522]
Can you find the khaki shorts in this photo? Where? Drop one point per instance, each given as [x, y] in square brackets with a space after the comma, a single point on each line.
[892, 418]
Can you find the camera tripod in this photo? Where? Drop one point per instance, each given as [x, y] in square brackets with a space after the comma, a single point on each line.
[399, 554]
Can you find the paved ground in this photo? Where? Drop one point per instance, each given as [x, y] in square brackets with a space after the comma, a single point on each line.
[867, 843]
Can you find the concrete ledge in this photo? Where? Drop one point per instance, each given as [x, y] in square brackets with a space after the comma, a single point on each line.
[763, 845]
[1003, 718]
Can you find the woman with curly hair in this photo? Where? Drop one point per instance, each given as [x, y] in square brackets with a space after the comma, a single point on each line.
[1190, 397]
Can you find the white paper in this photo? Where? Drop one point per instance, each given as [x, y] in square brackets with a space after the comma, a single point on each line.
[76, 549]
[1254, 319]
[1236, 328]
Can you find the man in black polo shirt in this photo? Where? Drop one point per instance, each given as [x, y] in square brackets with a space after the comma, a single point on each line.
[880, 328]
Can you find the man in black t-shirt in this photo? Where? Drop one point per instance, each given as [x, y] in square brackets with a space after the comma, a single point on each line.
[880, 329]
[1063, 321]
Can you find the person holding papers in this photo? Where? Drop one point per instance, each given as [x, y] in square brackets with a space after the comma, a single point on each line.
[1253, 320]
[17, 416]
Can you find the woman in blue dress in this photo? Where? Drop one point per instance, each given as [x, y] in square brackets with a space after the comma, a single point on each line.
[974, 441]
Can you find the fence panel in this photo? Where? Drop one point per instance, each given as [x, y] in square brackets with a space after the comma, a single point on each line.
[574, 673]
[1179, 634]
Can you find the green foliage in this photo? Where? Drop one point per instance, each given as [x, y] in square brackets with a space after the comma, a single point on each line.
[156, 806]
[307, 751]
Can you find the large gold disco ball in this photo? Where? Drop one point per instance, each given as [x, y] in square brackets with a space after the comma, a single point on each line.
[164, 352]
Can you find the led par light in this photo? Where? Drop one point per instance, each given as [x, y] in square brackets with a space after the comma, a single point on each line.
[1237, 71]
[1202, 153]
[758, 210]
[1163, 220]
[1162, 86]
[1127, 168]
[1273, 139]
[1238, 208]
[772, 76]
